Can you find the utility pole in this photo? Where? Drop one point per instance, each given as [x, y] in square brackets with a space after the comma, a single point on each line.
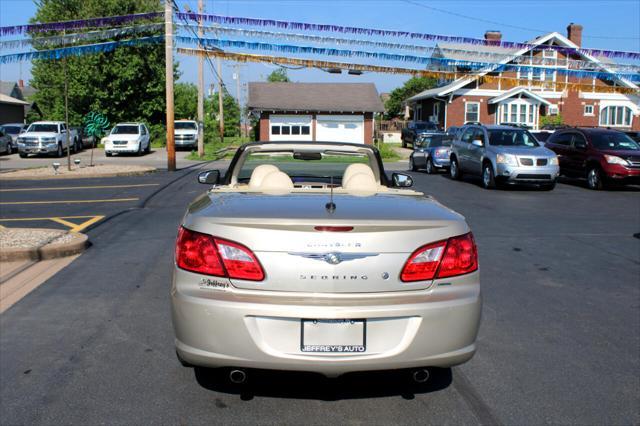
[168, 58]
[66, 107]
[238, 94]
[220, 109]
[200, 86]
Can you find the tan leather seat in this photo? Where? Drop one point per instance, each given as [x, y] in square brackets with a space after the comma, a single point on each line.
[259, 173]
[277, 182]
[356, 168]
[361, 183]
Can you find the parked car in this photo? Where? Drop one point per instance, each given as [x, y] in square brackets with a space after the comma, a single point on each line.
[85, 140]
[14, 130]
[6, 142]
[519, 125]
[503, 154]
[431, 153]
[47, 137]
[635, 135]
[542, 136]
[602, 156]
[127, 138]
[417, 128]
[452, 130]
[186, 134]
[306, 256]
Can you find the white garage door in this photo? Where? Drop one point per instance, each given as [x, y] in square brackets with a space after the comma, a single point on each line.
[340, 128]
[290, 128]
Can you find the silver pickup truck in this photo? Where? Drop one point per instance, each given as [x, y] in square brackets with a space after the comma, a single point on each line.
[47, 137]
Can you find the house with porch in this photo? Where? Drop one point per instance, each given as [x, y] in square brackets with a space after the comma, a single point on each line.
[524, 97]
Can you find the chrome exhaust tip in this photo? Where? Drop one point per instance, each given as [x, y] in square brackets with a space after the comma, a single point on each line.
[238, 376]
[420, 375]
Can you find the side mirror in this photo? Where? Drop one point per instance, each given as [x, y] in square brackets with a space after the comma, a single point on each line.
[401, 180]
[210, 177]
[477, 142]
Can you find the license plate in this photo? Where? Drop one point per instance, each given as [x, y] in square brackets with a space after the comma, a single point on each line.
[333, 335]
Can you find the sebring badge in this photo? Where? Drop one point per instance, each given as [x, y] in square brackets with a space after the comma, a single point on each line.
[334, 258]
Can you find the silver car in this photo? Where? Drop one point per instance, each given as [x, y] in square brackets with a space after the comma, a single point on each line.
[503, 154]
[305, 256]
[6, 142]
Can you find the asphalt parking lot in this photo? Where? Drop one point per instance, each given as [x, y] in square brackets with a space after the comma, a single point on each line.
[559, 340]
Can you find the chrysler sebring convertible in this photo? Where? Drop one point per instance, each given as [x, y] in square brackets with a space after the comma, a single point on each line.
[306, 256]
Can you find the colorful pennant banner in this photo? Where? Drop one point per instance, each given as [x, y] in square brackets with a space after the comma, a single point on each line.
[77, 50]
[80, 23]
[310, 63]
[76, 37]
[490, 56]
[291, 25]
[444, 62]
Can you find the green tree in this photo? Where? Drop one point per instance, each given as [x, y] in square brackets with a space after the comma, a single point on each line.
[279, 76]
[413, 86]
[127, 84]
[185, 99]
[231, 111]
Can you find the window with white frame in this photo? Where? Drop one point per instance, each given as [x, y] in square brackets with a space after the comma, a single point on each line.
[588, 110]
[472, 112]
[520, 112]
[549, 54]
[615, 116]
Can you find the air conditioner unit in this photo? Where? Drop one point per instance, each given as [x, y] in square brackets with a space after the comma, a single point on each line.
[433, 118]
[553, 110]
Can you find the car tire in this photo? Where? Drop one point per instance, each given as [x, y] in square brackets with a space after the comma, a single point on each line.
[454, 169]
[404, 143]
[23, 155]
[548, 186]
[9, 148]
[488, 178]
[594, 178]
[139, 153]
[108, 154]
[412, 165]
[60, 151]
[183, 362]
[78, 146]
[148, 148]
[430, 168]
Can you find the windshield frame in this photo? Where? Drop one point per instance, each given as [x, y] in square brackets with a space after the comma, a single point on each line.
[32, 128]
[113, 131]
[596, 140]
[179, 125]
[513, 129]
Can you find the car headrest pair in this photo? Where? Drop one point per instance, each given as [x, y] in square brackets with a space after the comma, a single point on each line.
[267, 177]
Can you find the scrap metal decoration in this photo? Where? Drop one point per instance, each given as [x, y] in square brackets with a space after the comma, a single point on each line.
[95, 125]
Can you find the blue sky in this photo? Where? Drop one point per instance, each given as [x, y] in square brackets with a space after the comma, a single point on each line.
[608, 24]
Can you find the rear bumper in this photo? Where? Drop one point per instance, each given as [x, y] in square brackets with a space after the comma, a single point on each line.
[440, 162]
[260, 329]
[520, 174]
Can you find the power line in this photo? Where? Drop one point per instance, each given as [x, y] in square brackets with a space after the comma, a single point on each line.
[488, 21]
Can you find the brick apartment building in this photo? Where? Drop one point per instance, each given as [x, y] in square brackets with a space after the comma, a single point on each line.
[538, 91]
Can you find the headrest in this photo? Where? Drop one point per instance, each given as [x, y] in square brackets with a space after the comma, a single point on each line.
[276, 182]
[259, 173]
[355, 168]
[361, 184]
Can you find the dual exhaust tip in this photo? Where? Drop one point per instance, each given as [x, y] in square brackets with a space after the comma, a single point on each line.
[239, 377]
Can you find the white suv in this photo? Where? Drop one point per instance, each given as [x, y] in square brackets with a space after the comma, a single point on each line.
[186, 133]
[130, 138]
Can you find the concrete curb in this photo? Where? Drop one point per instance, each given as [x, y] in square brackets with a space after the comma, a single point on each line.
[51, 250]
[72, 176]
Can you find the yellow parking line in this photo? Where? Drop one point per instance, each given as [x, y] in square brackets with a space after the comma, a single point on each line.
[79, 187]
[73, 227]
[64, 222]
[109, 200]
[18, 219]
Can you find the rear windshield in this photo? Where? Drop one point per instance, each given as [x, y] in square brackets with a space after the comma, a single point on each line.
[512, 137]
[43, 128]
[182, 125]
[125, 130]
[332, 164]
[435, 141]
[426, 126]
[12, 130]
[614, 141]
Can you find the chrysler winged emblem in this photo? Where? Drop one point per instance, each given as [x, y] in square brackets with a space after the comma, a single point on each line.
[334, 258]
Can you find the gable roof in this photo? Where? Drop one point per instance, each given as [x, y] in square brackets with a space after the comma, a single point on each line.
[513, 53]
[9, 100]
[318, 97]
[522, 91]
[7, 87]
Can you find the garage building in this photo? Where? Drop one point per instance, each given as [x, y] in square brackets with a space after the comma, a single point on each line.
[325, 112]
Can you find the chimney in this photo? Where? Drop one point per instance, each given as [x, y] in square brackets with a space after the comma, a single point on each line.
[574, 33]
[21, 83]
[493, 36]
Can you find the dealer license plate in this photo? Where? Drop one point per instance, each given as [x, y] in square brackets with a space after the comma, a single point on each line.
[333, 335]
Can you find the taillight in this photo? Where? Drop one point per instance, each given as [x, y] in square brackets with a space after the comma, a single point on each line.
[239, 261]
[197, 252]
[456, 256]
[333, 228]
[205, 254]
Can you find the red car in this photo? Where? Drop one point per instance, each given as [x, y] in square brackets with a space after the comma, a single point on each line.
[602, 156]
